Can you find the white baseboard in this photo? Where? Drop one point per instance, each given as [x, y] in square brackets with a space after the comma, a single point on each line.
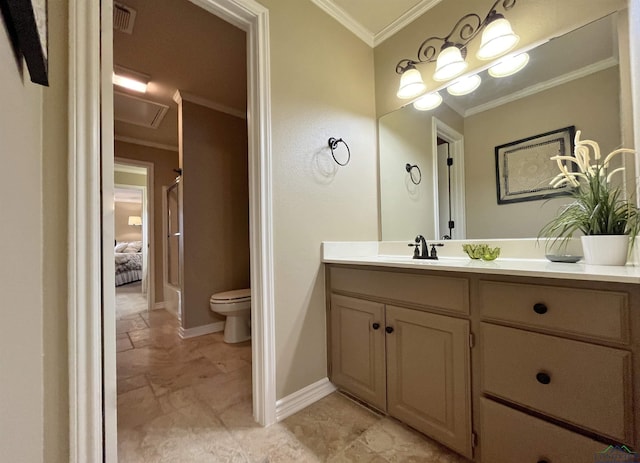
[159, 305]
[295, 402]
[200, 330]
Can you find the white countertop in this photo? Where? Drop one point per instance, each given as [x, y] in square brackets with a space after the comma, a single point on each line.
[366, 253]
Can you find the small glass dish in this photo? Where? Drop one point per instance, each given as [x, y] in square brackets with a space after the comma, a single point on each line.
[481, 251]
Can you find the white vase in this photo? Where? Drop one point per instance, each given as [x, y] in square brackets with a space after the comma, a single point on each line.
[605, 249]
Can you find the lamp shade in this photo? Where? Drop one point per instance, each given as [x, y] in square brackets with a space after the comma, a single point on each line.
[135, 220]
[497, 39]
[427, 102]
[465, 85]
[509, 66]
[411, 84]
[450, 64]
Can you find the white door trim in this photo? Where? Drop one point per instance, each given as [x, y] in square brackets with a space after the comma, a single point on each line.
[89, 79]
[456, 147]
[148, 225]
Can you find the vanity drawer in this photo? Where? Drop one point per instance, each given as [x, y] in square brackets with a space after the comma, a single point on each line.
[445, 293]
[583, 384]
[510, 436]
[595, 314]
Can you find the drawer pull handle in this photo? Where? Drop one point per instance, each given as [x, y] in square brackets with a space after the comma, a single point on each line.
[543, 378]
[375, 326]
[540, 308]
[389, 329]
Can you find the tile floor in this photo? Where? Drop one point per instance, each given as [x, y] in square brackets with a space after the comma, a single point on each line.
[190, 401]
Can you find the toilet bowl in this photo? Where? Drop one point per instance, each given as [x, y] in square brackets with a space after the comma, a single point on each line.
[236, 306]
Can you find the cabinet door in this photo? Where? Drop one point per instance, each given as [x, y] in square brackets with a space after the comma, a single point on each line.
[357, 348]
[428, 376]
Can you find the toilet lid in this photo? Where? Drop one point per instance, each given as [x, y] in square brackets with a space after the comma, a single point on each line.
[237, 295]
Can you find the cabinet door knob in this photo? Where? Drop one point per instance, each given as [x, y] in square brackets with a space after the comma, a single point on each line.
[543, 378]
[540, 308]
[375, 326]
[389, 329]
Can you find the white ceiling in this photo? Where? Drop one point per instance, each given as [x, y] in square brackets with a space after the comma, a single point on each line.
[374, 21]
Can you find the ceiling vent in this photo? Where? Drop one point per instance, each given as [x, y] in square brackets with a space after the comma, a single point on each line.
[123, 17]
[138, 111]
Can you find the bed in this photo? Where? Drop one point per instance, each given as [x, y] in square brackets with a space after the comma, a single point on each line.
[128, 257]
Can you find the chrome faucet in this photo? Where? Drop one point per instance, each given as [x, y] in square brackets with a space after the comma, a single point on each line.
[421, 249]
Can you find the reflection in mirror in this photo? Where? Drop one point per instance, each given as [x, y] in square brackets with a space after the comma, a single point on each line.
[572, 80]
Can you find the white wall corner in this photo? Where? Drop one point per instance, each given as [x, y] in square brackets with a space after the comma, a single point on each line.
[200, 330]
[301, 399]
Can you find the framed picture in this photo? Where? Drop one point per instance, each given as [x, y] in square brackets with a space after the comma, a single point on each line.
[524, 168]
[27, 22]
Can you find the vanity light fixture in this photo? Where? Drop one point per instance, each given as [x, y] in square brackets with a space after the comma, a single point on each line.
[449, 52]
[427, 102]
[450, 63]
[411, 83]
[497, 39]
[509, 66]
[131, 80]
[465, 85]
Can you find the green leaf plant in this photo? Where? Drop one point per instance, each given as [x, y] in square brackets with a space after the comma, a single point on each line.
[598, 207]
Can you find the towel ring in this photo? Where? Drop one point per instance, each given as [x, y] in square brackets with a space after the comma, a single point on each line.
[409, 168]
[333, 144]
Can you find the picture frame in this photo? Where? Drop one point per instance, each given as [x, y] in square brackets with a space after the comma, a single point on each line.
[524, 168]
[27, 23]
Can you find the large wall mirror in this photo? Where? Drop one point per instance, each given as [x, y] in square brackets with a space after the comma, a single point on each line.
[571, 80]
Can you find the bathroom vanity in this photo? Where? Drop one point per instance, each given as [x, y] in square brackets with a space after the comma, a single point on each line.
[506, 361]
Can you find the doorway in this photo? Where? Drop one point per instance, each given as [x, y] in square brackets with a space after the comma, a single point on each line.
[92, 384]
[448, 185]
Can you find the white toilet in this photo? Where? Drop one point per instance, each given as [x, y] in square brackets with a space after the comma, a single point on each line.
[236, 306]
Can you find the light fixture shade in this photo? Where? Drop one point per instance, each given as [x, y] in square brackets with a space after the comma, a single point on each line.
[450, 64]
[465, 85]
[509, 66]
[411, 84]
[135, 220]
[130, 79]
[427, 102]
[497, 39]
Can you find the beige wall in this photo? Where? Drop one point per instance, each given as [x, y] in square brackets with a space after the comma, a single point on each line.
[322, 86]
[532, 20]
[598, 116]
[128, 178]
[124, 231]
[215, 209]
[34, 388]
[164, 161]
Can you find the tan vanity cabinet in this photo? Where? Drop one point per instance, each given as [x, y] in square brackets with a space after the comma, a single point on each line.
[358, 348]
[428, 375]
[408, 362]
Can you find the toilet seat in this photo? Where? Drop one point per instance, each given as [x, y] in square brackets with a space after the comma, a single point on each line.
[231, 297]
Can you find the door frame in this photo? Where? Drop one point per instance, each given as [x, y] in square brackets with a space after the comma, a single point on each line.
[148, 224]
[92, 379]
[456, 151]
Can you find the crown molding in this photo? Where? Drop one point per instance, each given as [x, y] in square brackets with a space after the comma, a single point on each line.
[542, 86]
[141, 142]
[408, 17]
[346, 20]
[181, 96]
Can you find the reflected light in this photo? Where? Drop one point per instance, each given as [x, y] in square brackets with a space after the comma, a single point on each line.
[509, 66]
[427, 102]
[465, 85]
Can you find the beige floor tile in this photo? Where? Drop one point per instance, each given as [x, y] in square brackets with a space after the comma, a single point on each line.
[399, 444]
[330, 425]
[225, 390]
[130, 324]
[123, 342]
[129, 384]
[137, 407]
[181, 374]
[357, 452]
[141, 361]
[191, 434]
